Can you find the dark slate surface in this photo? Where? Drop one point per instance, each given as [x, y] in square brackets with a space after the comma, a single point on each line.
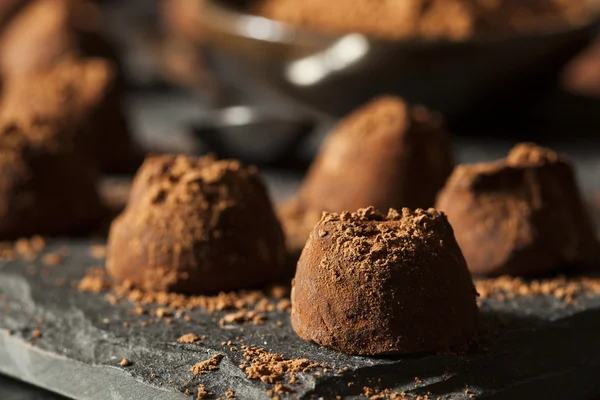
[538, 347]
[530, 347]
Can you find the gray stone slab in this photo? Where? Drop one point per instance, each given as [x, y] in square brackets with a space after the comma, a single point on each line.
[535, 346]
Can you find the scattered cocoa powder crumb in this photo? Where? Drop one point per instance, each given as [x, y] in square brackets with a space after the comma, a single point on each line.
[52, 259]
[203, 393]
[264, 306]
[94, 281]
[270, 367]
[163, 312]
[418, 380]
[388, 394]
[560, 287]
[187, 318]
[144, 324]
[284, 305]
[189, 338]
[36, 334]
[230, 394]
[98, 251]
[153, 376]
[125, 363]
[279, 324]
[243, 316]
[187, 392]
[125, 324]
[206, 366]
[24, 248]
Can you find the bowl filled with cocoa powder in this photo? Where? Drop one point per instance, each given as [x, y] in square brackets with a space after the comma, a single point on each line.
[455, 56]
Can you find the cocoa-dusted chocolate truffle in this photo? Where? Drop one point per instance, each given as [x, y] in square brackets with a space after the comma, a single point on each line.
[373, 284]
[196, 225]
[387, 154]
[522, 215]
[83, 92]
[46, 187]
[44, 31]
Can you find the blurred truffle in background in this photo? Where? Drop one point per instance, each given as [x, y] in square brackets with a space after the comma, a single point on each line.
[45, 47]
[451, 19]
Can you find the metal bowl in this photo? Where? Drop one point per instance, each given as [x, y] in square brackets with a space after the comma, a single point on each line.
[335, 73]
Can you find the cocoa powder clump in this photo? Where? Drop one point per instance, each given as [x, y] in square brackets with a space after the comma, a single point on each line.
[206, 366]
[380, 284]
[194, 226]
[523, 215]
[189, 338]
[271, 368]
[203, 393]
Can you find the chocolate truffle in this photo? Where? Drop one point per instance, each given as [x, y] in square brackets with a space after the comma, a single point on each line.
[194, 226]
[46, 187]
[386, 154]
[83, 92]
[44, 31]
[522, 215]
[372, 284]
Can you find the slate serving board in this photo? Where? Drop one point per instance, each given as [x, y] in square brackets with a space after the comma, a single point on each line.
[532, 346]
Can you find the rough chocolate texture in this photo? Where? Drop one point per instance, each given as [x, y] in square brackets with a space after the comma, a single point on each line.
[84, 340]
[196, 225]
[523, 215]
[367, 283]
[82, 92]
[45, 186]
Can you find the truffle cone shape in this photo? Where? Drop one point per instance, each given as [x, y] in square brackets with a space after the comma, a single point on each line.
[374, 284]
[386, 155]
[195, 226]
[523, 215]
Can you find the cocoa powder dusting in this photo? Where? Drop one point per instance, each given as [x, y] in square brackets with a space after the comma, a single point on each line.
[371, 271]
[560, 287]
[203, 393]
[196, 225]
[271, 368]
[189, 338]
[161, 304]
[243, 317]
[206, 366]
[24, 248]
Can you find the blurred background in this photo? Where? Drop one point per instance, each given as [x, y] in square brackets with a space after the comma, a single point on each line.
[264, 80]
[212, 75]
